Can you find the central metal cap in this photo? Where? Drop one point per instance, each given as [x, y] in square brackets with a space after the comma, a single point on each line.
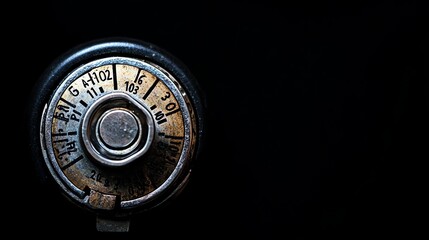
[117, 129]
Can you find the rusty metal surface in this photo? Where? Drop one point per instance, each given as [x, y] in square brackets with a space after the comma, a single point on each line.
[100, 200]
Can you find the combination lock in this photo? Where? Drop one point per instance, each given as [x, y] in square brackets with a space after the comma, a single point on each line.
[116, 125]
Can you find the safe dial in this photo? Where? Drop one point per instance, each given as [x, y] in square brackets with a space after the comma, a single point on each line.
[120, 123]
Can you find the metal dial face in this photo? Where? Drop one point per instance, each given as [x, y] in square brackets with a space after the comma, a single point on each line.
[118, 132]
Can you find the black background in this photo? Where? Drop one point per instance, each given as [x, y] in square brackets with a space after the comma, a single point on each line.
[317, 114]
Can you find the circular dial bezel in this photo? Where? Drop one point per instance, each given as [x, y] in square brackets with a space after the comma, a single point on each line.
[65, 91]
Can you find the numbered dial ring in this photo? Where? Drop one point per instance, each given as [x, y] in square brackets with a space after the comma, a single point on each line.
[118, 134]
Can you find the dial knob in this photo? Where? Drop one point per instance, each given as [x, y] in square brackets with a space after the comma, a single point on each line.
[119, 124]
